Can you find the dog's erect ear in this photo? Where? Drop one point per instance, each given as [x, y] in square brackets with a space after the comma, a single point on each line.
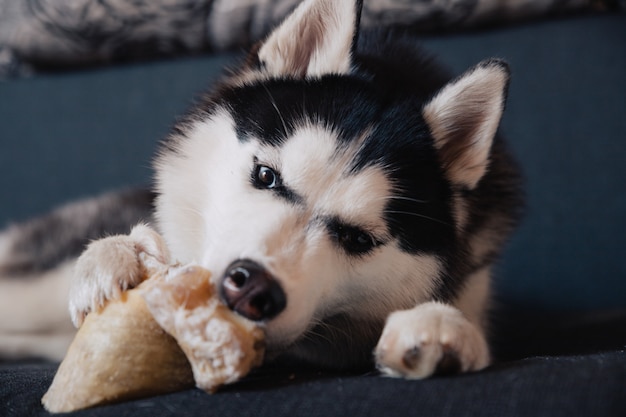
[463, 118]
[316, 39]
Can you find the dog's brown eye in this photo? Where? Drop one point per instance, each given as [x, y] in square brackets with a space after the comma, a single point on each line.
[266, 177]
[354, 240]
[263, 177]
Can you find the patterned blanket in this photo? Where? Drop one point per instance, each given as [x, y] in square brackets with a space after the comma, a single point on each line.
[36, 34]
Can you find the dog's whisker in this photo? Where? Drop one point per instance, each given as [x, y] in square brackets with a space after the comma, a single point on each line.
[414, 200]
[423, 216]
[312, 335]
[330, 328]
[273, 102]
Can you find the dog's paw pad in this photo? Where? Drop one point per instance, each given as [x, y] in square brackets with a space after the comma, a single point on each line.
[431, 339]
[411, 358]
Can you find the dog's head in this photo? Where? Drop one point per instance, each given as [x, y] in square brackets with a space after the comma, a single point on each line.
[321, 181]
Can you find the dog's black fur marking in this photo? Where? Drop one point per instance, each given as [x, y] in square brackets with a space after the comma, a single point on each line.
[419, 212]
[270, 111]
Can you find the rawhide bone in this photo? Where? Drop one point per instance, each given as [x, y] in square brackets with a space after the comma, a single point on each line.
[166, 335]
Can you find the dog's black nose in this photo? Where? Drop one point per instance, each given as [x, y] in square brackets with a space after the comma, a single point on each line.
[250, 290]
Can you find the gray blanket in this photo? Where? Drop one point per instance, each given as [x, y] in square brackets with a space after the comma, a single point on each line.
[61, 33]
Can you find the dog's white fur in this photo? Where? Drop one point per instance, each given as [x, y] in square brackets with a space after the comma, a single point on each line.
[285, 238]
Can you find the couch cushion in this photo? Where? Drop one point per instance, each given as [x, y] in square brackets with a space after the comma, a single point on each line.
[568, 386]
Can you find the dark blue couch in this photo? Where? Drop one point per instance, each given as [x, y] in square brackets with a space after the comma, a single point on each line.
[560, 331]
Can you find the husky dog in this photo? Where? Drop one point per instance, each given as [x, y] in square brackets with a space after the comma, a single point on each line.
[345, 191]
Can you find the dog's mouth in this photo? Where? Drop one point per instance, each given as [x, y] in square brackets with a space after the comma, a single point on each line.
[251, 291]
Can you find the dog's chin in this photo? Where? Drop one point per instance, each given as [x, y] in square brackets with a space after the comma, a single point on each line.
[339, 342]
[279, 338]
[285, 338]
[292, 349]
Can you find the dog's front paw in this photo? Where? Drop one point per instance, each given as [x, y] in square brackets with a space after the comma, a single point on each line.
[110, 266]
[432, 338]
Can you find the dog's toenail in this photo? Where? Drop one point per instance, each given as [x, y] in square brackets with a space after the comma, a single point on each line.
[449, 364]
[411, 357]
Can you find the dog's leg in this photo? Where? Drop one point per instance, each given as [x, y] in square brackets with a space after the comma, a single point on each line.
[110, 266]
[437, 338]
[50, 345]
[34, 321]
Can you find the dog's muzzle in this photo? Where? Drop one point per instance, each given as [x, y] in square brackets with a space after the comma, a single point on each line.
[251, 291]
